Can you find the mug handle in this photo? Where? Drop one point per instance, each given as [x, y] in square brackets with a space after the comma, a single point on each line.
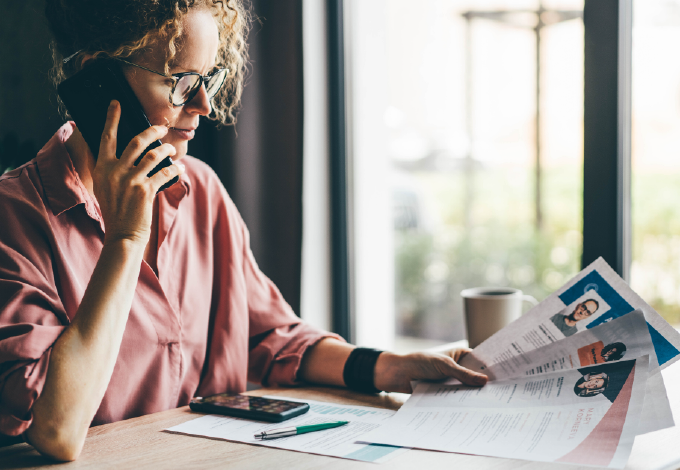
[531, 299]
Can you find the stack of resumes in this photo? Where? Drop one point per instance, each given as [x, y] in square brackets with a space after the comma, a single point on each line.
[564, 386]
[573, 381]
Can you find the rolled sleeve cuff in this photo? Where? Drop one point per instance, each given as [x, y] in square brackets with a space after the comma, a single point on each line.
[10, 425]
[284, 367]
[20, 388]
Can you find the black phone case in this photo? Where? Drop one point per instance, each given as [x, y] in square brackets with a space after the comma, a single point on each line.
[248, 414]
[87, 96]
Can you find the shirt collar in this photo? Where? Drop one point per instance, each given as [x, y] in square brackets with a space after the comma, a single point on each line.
[59, 177]
[63, 187]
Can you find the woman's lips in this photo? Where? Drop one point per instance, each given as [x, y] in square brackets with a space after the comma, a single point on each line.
[186, 134]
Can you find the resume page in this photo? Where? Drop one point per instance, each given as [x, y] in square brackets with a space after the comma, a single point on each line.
[595, 297]
[585, 416]
[624, 337]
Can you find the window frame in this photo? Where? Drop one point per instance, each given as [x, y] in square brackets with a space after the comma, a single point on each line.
[342, 314]
[607, 133]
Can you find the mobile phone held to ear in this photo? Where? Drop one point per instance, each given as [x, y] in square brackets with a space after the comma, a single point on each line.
[255, 408]
[87, 96]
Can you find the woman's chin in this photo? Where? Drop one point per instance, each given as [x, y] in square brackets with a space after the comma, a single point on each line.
[180, 149]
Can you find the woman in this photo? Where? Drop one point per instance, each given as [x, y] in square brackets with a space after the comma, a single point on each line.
[591, 384]
[117, 302]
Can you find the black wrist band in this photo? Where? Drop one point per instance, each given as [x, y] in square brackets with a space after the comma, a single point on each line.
[359, 369]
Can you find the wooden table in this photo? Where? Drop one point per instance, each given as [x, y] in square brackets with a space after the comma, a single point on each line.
[139, 443]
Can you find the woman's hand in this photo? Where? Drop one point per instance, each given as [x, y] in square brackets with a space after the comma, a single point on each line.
[124, 192]
[394, 372]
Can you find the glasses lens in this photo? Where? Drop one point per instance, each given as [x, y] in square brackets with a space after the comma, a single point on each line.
[215, 82]
[185, 88]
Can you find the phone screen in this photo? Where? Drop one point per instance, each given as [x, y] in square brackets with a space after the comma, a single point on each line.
[242, 402]
[243, 406]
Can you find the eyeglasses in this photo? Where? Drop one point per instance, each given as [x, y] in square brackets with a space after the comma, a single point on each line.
[587, 312]
[185, 85]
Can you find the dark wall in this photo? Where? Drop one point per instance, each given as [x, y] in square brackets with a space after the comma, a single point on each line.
[259, 160]
[28, 112]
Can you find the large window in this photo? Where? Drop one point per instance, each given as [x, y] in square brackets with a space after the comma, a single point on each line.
[655, 272]
[466, 133]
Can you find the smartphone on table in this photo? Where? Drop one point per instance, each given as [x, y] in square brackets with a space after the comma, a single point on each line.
[87, 96]
[243, 406]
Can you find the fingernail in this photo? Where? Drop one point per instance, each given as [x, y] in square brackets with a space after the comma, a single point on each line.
[180, 166]
[480, 379]
[112, 103]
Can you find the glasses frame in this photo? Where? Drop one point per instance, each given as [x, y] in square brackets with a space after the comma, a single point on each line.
[586, 309]
[176, 77]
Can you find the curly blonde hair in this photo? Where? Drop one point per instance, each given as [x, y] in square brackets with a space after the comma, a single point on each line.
[124, 28]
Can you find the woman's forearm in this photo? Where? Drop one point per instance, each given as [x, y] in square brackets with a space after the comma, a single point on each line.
[324, 362]
[83, 358]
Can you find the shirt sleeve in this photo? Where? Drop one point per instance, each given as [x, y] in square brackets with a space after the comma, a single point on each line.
[31, 314]
[278, 338]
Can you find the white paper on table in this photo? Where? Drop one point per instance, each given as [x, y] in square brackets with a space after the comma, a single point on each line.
[335, 442]
[537, 418]
[584, 349]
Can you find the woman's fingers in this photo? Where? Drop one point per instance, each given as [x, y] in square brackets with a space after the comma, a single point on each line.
[107, 145]
[140, 142]
[153, 157]
[124, 192]
[465, 375]
[166, 174]
[394, 372]
[458, 354]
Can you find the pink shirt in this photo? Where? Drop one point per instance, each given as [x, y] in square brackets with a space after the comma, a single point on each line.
[209, 322]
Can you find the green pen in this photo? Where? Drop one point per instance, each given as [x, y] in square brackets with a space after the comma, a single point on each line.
[293, 430]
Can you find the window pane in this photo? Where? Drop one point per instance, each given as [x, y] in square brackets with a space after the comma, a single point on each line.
[655, 273]
[443, 125]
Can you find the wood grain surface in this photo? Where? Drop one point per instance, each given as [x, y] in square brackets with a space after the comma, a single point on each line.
[140, 443]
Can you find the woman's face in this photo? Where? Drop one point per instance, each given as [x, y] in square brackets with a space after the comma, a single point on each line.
[197, 52]
[594, 383]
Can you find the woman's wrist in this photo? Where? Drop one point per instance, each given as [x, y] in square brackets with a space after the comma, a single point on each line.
[125, 245]
[385, 367]
[359, 370]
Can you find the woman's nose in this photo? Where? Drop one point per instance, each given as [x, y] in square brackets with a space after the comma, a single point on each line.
[199, 104]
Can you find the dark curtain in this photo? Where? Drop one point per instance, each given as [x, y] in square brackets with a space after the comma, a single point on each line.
[28, 111]
[260, 159]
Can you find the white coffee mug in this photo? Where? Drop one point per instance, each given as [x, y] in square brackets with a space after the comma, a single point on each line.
[489, 309]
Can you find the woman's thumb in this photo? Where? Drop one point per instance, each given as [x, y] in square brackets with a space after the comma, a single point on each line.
[465, 375]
